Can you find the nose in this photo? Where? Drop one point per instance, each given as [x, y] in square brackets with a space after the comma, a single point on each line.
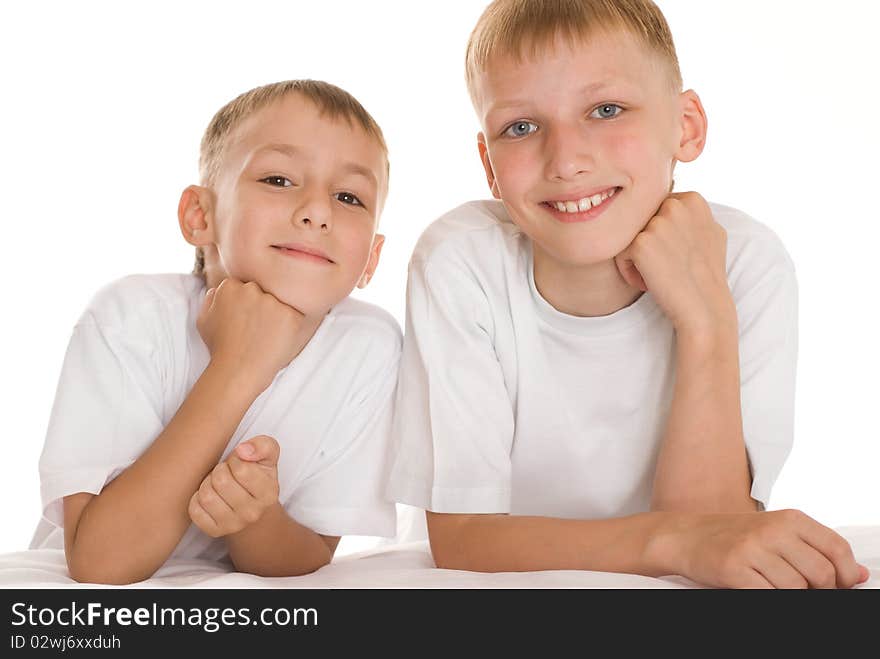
[314, 213]
[568, 152]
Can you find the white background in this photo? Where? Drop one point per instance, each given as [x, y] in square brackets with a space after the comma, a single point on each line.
[103, 106]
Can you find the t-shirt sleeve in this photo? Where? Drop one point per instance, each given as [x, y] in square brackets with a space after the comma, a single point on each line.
[343, 493]
[453, 424]
[767, 313]
[103, 394]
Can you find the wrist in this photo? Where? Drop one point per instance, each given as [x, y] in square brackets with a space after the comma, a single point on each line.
[270, 517]
[240, 380]
[665, 547]
[712, 314]
[709, 336]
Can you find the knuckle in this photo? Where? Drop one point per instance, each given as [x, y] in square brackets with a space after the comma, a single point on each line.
[840, 549]
[220, 476]
[791, 516]
[797, 582]
[747, 548]
[204, 487]
[640, 242]
[826, 576]
[206, 497]
[239, 468]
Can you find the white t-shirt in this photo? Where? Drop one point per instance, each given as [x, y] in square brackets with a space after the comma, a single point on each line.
[506, 405]
[136, 353]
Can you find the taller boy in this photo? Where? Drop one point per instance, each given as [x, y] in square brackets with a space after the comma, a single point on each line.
[576, 355]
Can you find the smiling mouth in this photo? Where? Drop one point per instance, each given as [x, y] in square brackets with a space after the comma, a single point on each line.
[583, 204]
[304, 253]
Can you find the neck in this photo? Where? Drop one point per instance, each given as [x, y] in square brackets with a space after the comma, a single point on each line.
[590, 290]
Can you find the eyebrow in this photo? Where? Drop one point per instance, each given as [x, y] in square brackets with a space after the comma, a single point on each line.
[519, 102]
[349, 166]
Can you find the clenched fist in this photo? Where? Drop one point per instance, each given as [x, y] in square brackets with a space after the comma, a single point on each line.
[249, 331]
[681, 258]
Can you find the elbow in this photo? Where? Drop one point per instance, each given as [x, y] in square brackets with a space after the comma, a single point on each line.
[92, 576]
[450, 547]
[448, 557]
[443, 557]
[89, 571]
[298, 569]
[271, 571]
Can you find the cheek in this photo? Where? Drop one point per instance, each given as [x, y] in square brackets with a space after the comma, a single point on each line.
[512, 166]
[630, 151]
[642, 159]
[355, 240]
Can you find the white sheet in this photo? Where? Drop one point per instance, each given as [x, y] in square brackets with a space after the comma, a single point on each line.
[395, 566]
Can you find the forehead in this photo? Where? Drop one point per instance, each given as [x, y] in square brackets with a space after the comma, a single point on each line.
[296, 120]
[603, 60]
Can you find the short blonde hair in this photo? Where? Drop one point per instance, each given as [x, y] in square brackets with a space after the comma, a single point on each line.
[331, 101]
[526, 27]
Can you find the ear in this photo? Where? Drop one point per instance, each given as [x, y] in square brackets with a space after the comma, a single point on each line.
[195, 217]
[375, 251]
[487, 165]
[693, 125]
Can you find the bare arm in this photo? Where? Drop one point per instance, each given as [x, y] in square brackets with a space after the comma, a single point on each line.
[126, 532]
[278, 546]
[508, 543]
[702, 466]
[779, 549]
[680, 257]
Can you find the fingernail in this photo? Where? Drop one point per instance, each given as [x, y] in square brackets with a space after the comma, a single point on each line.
[246, 449]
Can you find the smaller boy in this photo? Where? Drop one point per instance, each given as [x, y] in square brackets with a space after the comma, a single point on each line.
[240, 412]
[598, 374]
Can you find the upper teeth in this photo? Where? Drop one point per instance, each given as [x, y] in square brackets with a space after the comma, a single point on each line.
[584, 204]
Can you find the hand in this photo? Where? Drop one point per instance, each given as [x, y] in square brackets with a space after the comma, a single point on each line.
[681, 257]
[239, 490]
[778, 549]
[249, 331]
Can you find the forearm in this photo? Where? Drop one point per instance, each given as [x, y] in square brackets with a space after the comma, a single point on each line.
[509, 543]
[702, 465]
[125, 533]
[277, 546]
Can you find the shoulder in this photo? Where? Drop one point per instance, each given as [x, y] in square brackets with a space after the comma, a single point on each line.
[136, 298]
[754, 250]
[364, 325]
[471, 229]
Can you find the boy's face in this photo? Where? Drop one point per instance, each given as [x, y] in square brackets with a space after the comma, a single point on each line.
[296, 205]
[589, 121]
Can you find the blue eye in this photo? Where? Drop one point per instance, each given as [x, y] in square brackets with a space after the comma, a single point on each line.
[520, 129]
[348, 198]
[606, 111]
[277, 181]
